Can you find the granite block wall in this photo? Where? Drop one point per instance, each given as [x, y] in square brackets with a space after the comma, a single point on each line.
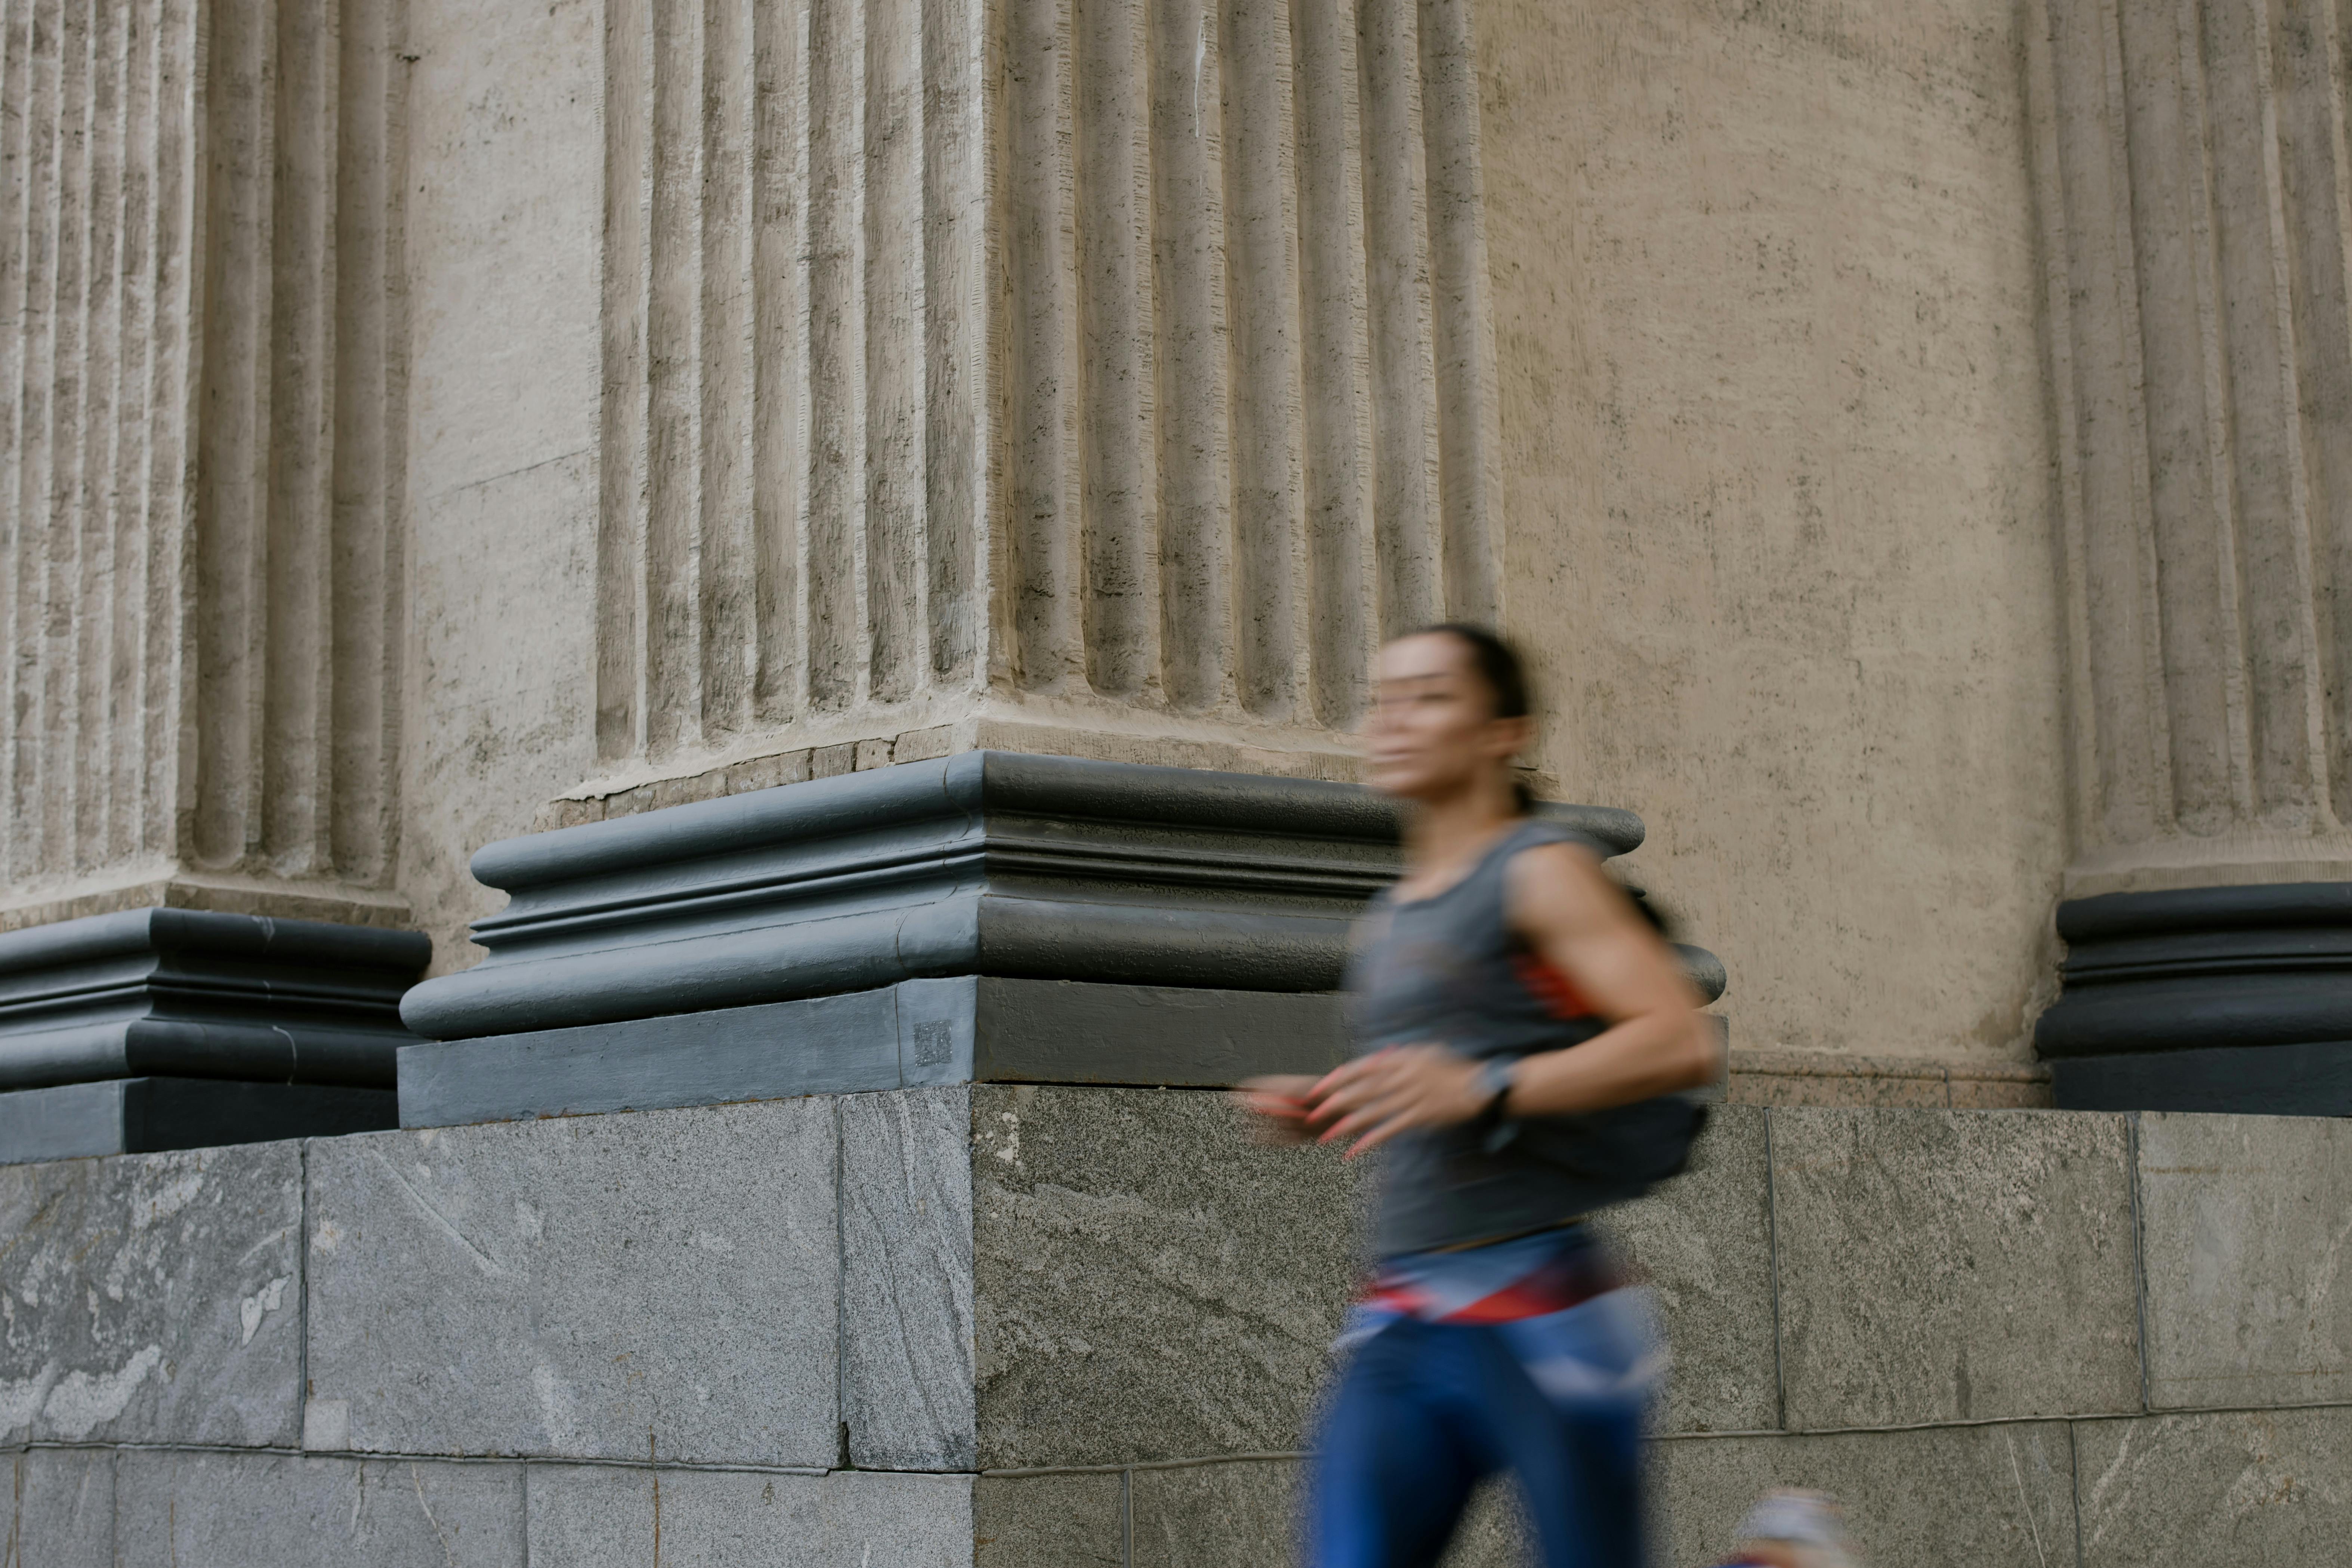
[1024, 1327]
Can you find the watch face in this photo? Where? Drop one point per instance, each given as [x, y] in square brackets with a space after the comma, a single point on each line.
[1495, 1075]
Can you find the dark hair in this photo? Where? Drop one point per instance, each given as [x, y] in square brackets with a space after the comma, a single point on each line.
[1505, 673]
[1499, 666]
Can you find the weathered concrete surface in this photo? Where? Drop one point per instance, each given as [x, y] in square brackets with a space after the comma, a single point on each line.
[1777, 489]
[505, 221]
[1847, 1079]
[1205, 1516]
[61, 1510]
[609, 1517]
[1249, 1511]
[659, 1285]
[1069, 1520]
[153, 1298]
[2240, 1489]
[1989, 1497]
[907, 1279]
[1147, 1282]
[283, 1511]
[1704, 1243]
[504, 704]
[1953, 1266]
[2245, 1222]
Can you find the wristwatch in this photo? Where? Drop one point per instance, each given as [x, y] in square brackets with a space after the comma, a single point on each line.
[1496, 1077]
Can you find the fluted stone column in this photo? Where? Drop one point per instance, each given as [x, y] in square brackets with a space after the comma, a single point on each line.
[1051, 372]
[2193, 173]
[201, 468]
[200, 604]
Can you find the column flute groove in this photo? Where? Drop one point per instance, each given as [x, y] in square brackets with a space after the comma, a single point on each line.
[726, 580]
[780, 368]
[1190, 351]
[837, 637]
[956, 504]
[1261, 193]
[1404, 395]
[1336, 434]
[1116, 311]
[895, 310]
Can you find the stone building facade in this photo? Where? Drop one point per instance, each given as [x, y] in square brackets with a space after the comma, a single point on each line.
[714, 451]
[1903, 434]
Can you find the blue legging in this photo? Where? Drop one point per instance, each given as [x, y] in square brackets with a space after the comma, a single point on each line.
[1423, 1412]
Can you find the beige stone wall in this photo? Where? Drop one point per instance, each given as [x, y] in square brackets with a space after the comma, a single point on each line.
[505, 247]
[1908, 433]
[765, 387]
[1776, 488]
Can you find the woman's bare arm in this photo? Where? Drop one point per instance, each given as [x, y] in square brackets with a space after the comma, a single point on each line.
[1565, 908]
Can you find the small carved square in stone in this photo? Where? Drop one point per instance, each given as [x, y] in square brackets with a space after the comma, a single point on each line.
[934, 1044]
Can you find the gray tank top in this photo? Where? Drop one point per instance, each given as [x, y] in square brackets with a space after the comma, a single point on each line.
[1448, 970]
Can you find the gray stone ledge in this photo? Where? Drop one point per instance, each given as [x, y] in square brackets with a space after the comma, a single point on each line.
[919, 1032]
[1147, 1282]
[1989, 1496]
[1112, 1468]
[597, 1517]
[154, 1297]
[1941, 1265]
[148, 1115]
[660, 1285]
[60, 1510]
[2244, 1224]
[2215, 1489]
[2298, 1080]
[907, 1279]
[2253, 1489]
[1066, 1521]
[1704, 1243]
[278, 1511]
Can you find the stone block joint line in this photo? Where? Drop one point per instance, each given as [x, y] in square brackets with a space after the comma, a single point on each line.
[2140, 1248]
[1772, 1274]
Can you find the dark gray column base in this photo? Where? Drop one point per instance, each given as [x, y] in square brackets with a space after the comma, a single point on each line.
[984, 863]
[144, 1115]
[965, 1030]
[2251, 1080]
[194, 994]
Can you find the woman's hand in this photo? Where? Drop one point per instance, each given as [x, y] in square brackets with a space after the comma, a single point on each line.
[1278, 1106]
[1373, 1098]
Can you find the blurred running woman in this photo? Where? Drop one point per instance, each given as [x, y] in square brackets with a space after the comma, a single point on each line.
[1522, 1033]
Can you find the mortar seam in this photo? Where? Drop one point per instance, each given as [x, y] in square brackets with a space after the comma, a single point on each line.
[2139, 1252]
[1772, 1273]
[1126, 1519]
[302, 1286]
[2074, 1489]
[754, 1468]
[841, 1278]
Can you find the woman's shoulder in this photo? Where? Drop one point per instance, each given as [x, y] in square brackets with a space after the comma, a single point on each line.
[1536, 830]
[1523, 868]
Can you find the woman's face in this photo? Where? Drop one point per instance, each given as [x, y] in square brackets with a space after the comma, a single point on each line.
[1431, 729]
